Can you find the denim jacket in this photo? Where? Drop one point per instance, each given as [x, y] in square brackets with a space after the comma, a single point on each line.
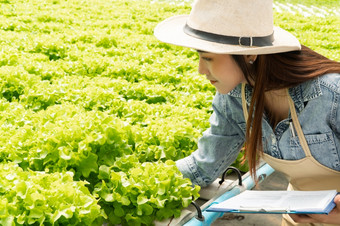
[317, 106]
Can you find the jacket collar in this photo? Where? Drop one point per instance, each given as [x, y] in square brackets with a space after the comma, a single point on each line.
[300, 94]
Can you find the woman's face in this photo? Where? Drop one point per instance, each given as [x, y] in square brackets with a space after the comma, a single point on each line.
[221, 70]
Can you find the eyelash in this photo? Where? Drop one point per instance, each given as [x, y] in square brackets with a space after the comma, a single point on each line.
[206, 58]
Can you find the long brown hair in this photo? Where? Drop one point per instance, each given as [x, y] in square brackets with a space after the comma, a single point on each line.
[273, 72]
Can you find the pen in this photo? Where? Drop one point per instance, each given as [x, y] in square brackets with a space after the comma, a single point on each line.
[292, 129]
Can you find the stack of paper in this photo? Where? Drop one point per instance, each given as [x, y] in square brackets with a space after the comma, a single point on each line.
[303, 202]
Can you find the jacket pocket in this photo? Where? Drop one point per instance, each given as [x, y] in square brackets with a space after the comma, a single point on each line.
[322, 147]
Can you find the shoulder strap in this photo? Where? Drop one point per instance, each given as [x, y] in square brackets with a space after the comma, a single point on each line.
[297, 126]
[244, 102]
[296, 123]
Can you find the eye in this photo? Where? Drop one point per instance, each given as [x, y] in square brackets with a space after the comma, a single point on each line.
[206, 58]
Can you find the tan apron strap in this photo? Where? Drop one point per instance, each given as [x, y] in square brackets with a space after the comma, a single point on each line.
[297, 127]
[244, 102]
[296, 123]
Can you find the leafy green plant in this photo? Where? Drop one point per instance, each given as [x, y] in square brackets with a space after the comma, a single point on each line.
[32, 197]
[136, 194]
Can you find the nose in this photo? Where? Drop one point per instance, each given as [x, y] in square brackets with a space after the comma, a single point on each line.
[202, 68]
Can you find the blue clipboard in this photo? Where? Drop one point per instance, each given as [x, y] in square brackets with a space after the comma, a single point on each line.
[272, 210]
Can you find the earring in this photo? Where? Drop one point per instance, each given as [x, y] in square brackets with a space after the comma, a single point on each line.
[251, 62]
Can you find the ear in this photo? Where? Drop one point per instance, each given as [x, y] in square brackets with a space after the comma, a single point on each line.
[250, 58]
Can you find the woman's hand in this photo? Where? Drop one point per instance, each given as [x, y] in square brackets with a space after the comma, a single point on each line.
[332, 218]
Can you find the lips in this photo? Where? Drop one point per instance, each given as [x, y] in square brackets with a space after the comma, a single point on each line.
[212, 81]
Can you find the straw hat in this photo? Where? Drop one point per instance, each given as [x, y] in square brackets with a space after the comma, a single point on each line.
[228, 26]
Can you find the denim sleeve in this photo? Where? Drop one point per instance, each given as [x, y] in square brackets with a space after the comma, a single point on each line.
[217, 149]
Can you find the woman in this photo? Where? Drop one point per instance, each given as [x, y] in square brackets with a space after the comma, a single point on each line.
[280, 99]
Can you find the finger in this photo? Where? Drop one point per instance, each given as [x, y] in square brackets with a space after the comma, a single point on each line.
[337, 200]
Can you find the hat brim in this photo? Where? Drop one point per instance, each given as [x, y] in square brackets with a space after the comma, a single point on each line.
[171, 31]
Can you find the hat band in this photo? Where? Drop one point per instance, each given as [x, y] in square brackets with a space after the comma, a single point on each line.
[231, 40]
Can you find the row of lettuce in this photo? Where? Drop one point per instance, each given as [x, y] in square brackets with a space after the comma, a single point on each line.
[91, 117]
[94, 110]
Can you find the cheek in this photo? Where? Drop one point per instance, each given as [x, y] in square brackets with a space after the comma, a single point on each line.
[240, 75]
[234, 72]
[238, 72]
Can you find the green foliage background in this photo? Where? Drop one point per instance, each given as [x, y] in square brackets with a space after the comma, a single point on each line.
[91, 101]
